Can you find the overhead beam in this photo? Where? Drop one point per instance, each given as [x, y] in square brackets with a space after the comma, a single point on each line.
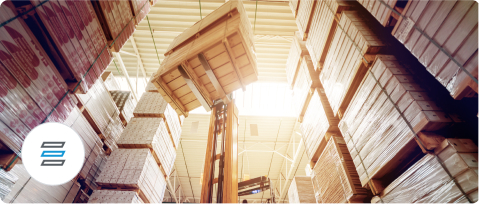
[125, 73]
[194, 89]
[144, 72]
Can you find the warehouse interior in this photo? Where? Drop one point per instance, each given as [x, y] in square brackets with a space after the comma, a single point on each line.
[334, 113]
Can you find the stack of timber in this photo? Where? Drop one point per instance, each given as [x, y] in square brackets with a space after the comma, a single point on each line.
[294, 7]
[140, 9]
[7, 181]
[112, 196]
[125, 104]
[209, 60]
[305, 84]
[117, 21]
[334, 177]
[150, 133]
[134, 170]
[376, 125]
[28, 190]
[152, 105]
[344, 67]
[453, 27]
[428, 182]
[294, 60]
[102, 113]
[323, 29]
[318, 125]
[72, 37]
[385, 15]
[94, 153]
[305, 11]
[110, 82]
[150, 87]
[301, 190]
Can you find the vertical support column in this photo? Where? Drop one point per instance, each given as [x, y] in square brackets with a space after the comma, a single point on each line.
[230, 190]
[206, 185]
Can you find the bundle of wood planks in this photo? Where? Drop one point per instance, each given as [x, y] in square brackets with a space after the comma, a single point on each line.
[428, 182]
[125, 104]
[305, 84]
[344, 68]
[209, 60]
[293, 4]
[305, 11]
[389, 102]
[134, 170]
[113, 196]
[443, 35]
[110, 82]
[385, 15]
[150, 133]
[301, 190]
[294, 60]
[323, 29]
[140, 9]
[334, 177]
[318, 125]
[152, 105]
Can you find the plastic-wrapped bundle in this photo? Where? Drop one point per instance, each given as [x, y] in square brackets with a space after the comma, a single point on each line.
[322, 29]
[153, 105]
[376, 134]
[116, 16]
[134, 169]
[7, 180]
[139, 10]
[343, 69]
[295, 56]
[318, 125]
[301, 190]
[150, 133]
[125, 104]
[380, 11]
[455, 31]
[28, 190]
[112, 196]
[306, 9]
[293, 4]
[427, 182]
[110, 81]
[334, 177]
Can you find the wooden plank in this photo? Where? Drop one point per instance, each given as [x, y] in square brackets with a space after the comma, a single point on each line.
[211, 75]
[208, 160]
[234, 62]
[230, 189]
[194, 89]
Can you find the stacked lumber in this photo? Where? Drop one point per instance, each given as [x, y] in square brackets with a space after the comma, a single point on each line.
[140, 9]
[301, 190]
[307, 81]
[150, 133]
[112, 196]
[305, 11]
[451, 25]
[382, 13]
[125, 104]
[293, 4]
[102, 113]
[71, 35]
[110, 82]
[152, 104]
[150, 87]
[377, 133]
[209, 60]
[318, 125]
[334, 177]
[134, 170]
[295, 56]
[427, 182]
[28, 190]
[117, 21]
[344, 69]
[323, 28]
[7, 181]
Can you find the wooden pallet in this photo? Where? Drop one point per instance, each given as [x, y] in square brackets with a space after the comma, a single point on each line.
[334, 175]
[371, 107]
[208, 61]
[345, 64]
[456, 33]
[323, 29]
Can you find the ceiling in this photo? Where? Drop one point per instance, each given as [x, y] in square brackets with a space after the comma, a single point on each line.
[274, 26]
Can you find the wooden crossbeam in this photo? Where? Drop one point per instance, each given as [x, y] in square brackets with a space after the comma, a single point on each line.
[213, 78]
[193, 87]
[198, 82]
[234, 62]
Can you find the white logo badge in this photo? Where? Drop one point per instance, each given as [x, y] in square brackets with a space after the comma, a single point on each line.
[53, 153]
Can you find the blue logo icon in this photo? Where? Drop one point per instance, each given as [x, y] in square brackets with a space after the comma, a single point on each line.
[53, 153]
